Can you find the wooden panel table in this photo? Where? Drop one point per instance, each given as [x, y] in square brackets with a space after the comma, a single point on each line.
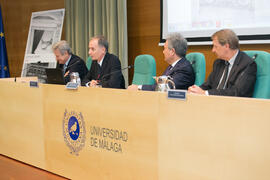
[99, 133]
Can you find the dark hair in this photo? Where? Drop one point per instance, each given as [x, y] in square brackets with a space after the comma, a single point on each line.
[178, 42]
[227, 36]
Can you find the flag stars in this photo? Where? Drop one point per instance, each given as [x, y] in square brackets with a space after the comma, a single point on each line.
[1, 34]
[4, 68]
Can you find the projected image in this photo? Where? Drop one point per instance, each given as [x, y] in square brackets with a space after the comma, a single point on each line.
[205, 14]
[249, 4]
[224, 14]
[201, 18]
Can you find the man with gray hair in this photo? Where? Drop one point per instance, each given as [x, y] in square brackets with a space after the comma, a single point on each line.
[68, 61]
[179, 69]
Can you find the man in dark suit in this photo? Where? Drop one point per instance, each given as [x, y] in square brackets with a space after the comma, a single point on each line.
[234, 73]
[106, 68]
[68, 61]
[179, 69]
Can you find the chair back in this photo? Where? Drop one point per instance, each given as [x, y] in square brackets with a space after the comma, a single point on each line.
[144, 70]
[197, 61]
[88, 63]
[262, 85]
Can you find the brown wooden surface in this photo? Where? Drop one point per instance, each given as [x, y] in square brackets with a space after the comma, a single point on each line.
[13, 169]
[227, 137]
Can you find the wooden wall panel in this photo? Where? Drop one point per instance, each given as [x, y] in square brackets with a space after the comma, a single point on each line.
[143, 18]
[16, 17]
[143, 31]
[144, 35]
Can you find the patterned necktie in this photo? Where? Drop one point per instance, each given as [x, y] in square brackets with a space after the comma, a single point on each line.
[167, 71]
[64, 68]
[222, 84]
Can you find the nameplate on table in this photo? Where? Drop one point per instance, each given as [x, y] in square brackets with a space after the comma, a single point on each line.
[177, 94]
[33, 84]
[72, 85]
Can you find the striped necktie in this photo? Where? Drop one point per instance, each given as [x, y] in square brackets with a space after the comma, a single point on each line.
[64, 68]
[222, 84]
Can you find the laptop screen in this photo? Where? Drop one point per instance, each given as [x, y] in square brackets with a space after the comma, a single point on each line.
[55, 76]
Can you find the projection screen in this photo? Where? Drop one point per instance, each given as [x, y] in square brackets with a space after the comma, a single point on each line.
[197, 20]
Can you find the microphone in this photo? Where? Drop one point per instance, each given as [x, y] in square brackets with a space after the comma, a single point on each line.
[241, 76]
[76, 62]
[254, 57]
[73, 64]
[106, 75]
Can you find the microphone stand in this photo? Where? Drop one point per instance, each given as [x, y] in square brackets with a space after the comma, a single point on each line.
[106, 75]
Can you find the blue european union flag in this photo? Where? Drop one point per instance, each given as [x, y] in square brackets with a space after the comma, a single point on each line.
[4, 70]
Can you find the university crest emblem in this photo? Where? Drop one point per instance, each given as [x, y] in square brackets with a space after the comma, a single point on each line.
[74, 131]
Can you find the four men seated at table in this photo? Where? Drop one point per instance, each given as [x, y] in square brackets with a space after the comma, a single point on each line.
[234, 72]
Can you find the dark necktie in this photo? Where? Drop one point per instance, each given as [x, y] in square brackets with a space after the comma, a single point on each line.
[98, 71]
[225, 74]
[167, 71]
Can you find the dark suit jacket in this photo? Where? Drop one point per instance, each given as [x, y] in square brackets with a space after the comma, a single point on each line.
[182, 74]
[76, 64]
[110, 76]
[241, 79]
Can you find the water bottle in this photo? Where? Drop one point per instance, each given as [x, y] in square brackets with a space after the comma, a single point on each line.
[79, 80]
[75, 78]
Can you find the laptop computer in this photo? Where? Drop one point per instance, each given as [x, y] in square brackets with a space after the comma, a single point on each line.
[54, 76]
